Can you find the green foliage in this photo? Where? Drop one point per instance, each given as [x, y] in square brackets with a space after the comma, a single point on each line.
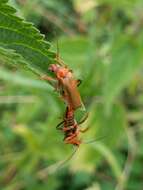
[25, 39]
[17, 78]
[102, 44]
[124, 46]
[12, 57]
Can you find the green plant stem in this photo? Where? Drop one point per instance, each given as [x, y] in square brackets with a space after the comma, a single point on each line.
[109, 157]
[132, 152]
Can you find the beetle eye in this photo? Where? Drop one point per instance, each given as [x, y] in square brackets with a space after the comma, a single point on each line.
[50, 69]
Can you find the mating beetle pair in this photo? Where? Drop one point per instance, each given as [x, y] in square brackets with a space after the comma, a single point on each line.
[65, 83]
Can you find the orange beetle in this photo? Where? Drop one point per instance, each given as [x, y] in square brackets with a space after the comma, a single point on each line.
[70, 127]
[66, 85]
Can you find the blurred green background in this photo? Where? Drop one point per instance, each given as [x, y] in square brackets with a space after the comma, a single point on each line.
[102, 41]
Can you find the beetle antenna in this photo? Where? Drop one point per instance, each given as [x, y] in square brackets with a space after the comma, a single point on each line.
[58, 50]
[61, 163]
[96, 139]
[59, 60]
[42, 174]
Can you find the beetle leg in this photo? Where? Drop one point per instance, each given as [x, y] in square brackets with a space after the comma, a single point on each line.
[79, 81]
[84, 130]
[59, 127]
[83, 119]
[45, 77]
[51, 80]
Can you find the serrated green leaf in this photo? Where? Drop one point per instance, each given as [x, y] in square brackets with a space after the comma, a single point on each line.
[25, 39]
[16, 78]
[9, 56]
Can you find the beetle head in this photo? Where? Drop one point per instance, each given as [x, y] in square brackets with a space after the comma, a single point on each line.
[53, 68]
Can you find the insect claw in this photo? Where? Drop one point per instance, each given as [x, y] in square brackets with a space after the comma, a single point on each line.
[79, 81]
